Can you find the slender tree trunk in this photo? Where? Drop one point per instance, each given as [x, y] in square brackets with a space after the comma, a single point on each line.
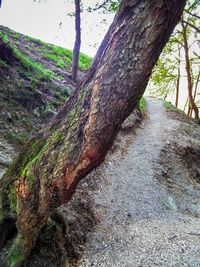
[196, 86]
[177, 88]
[186, 103]
[190, 110]
[178, 78]
[77, 43]
[188, 71]
[47, 170]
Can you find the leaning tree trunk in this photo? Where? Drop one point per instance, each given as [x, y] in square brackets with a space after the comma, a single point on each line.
[47, 170]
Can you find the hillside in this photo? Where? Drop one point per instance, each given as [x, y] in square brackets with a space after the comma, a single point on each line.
[35, 81]
[141, 207]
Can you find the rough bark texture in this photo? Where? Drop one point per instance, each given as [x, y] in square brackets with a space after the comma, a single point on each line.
[48, 168]
[77, 43]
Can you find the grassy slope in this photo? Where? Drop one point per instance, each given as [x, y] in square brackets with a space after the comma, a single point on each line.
[35, 80]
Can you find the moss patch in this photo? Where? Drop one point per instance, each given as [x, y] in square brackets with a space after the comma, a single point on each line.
[12, 196]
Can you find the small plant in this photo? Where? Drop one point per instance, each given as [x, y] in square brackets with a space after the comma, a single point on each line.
[34, 82]
[130, 117]
[66, 91]
[142, 104]
[4, 37]
[16, 35]
[60, 78]
[26, 74]
[68, 60]
[52, 57]
[168, 105]
[48, 107]
[3, 63]
[56, 102]
[61, 63]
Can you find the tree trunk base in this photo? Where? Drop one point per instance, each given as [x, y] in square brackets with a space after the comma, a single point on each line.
[17, 253]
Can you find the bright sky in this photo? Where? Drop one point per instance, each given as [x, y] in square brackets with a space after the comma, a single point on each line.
[41, 20]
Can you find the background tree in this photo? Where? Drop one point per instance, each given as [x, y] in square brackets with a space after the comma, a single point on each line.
[165, 78]
[107, 6]
[47, 170]
[189, 70]
[181, 51]
[77, 43]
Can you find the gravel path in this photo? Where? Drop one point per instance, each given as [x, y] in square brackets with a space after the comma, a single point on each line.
[139, 224]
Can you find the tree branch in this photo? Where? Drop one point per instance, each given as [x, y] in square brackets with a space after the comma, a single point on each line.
[100, 6]
[177, 40]
[191, 25]
[193, 15]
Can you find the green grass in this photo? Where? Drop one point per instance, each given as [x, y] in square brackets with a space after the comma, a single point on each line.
[169, 105]
[31, 65]
[2, 62]
[59, 60]
[16, 35]
[67, 55]
[4, 37]
[28, 38]
[52, 57]
[142, 104]
[84, 61]
[56, 102]
[60, 51]
[62, 56]
[27, 74]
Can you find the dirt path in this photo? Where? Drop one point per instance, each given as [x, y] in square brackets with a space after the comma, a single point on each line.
[140, 224]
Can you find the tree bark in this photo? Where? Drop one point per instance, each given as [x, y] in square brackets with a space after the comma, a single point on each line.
[196, 86]
[47, 170]
[77, 43]
[188, 71]
[177, 91]
[178, 79]
[190, 110]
